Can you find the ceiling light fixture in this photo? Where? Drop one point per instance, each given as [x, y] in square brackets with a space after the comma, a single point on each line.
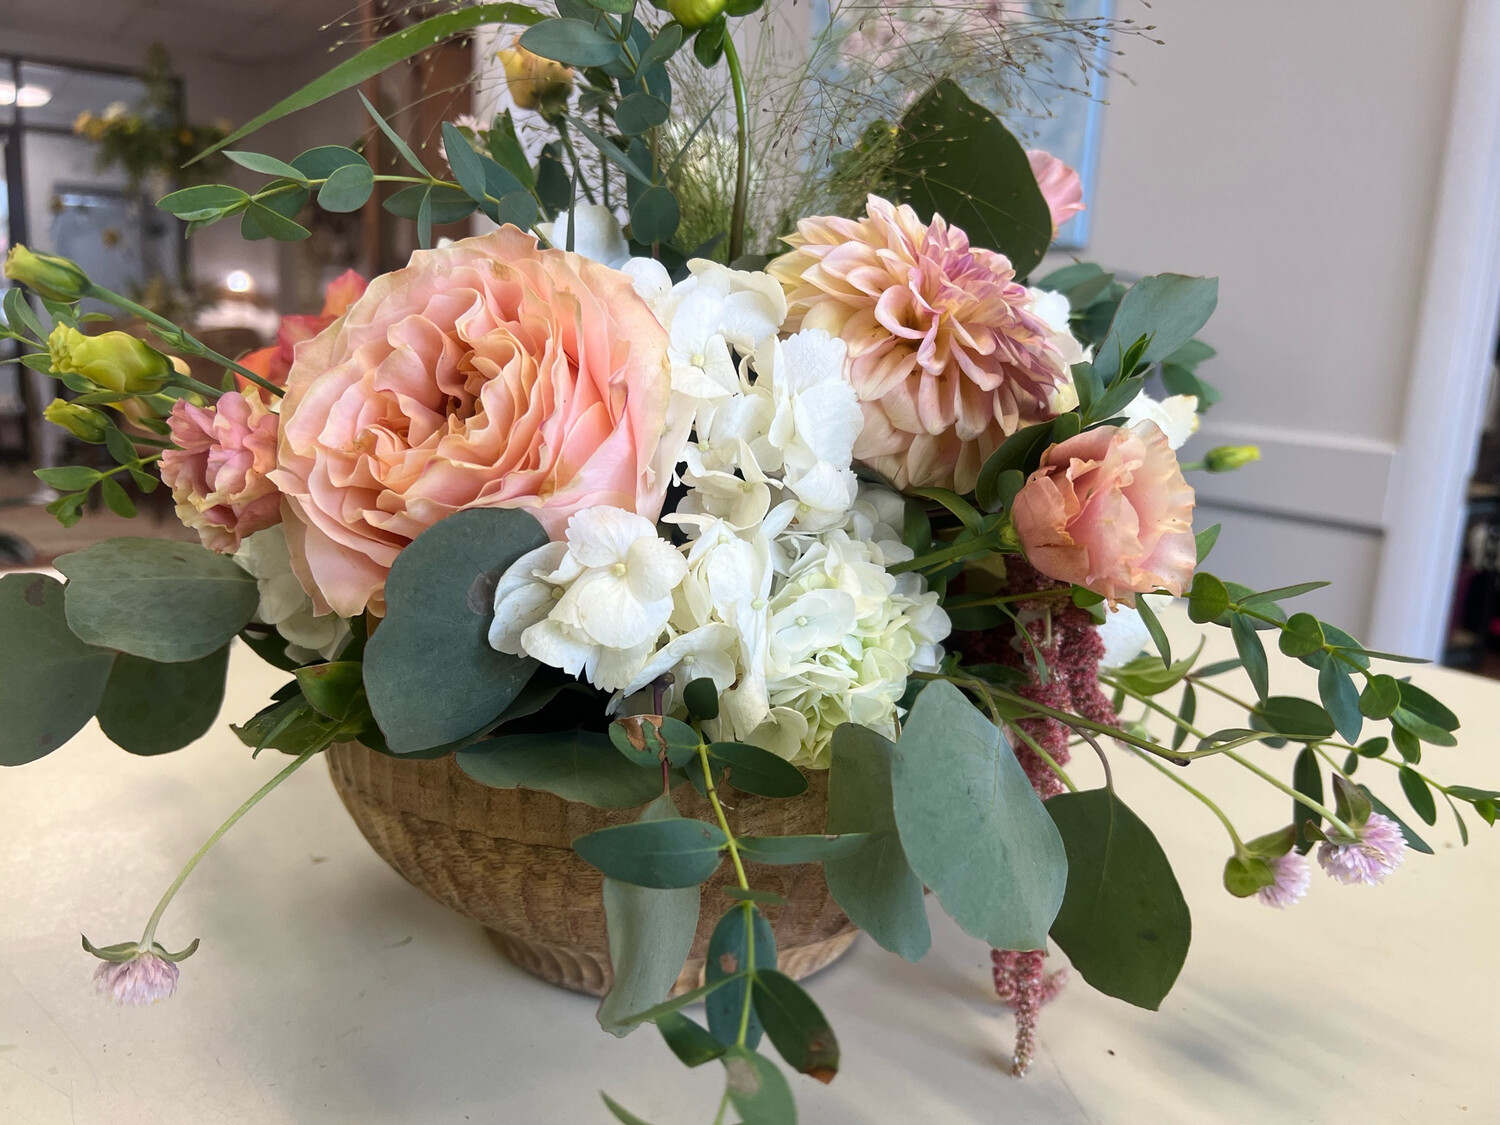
[30, 96]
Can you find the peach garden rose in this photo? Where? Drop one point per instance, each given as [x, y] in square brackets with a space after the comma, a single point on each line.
[947, 352]
[489, 373]
[1109, 509]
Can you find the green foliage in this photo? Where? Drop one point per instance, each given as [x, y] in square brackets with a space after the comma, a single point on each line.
[621, 1114]
[757, 1090]
[1166, 310]
[646, 739]
[795, 1025]
[1123, 922]
[692, 1043]
[571, 42]
[51, 683]
[701, 697]
[783, 850]
[973, 828]
[753, 770]
[576, 765]
[1018, 454]
[1207, 598]
[1307, 779]
[387, 52]
[650, 934]
[742, 944]
[655, 853]
[152, 708]
[155, 598]
[430, 672]
[875, 886]
[957, 160]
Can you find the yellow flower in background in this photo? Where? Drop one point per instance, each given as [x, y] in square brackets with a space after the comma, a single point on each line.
[49, 276]
[1227, 458]
[116, 361]
[534, 82]
[84, 423]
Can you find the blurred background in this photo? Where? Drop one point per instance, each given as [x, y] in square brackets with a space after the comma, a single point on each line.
[1336, 165]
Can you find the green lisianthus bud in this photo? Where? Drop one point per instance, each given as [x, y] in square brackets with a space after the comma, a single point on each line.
[695, 14]
[116, 361]
[51, 277]
[83, 422]
[1227, 458]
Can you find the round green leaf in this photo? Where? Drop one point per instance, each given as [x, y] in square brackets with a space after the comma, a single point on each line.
[656, 853]
[973, 828]
[50, 681]
[430, 673]
[320, 163]
[757, 1089]
[654, 215]
[1123, 924]
[151, 708]
[156, 598]
[347, 188]
[702, 699]
[639, 113]
[571, 42]
[1302, 636]
[1294, 717]
[1380, 697]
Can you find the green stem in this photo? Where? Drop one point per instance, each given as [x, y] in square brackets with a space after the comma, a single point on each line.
[1301, 798]
[742, 149]
[161, 907]
[180, 338]
[1202, 796]
[944, 555]
[712, 792]
[1040, 751]
[138, 463]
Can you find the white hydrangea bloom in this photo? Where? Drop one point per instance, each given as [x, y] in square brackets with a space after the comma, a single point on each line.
[778, 590]
[1176, 416]
[1054, 310]
[596, 232]
[283, 602]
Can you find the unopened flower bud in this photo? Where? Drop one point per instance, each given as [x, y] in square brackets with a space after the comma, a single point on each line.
[534, 82]
[695, 14]
[83, 422]
[47, 275]
[116, 361]
[1227, 458]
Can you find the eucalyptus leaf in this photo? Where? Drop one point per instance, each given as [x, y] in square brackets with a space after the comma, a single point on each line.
[757, 1089]
[650, 934]
[783, 850]
[1167, 309]
[151, 708]
[575, 765]
[571, 42]
[741, 945]
[347, 188]
[429, 670]
[973, 828]
[758, 771]
[1123, 923]
[692, 1043]
[159, 599]
[51, 683]
[795, 1025]
[656, 853]
[875, 886]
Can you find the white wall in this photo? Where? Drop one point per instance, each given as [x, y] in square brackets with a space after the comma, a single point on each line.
[1296, 151]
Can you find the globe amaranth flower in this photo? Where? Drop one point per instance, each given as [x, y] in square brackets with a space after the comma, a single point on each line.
[947, 352]
[488, 373]
[1377, 851]
[144, 979]
[1292, 878]
[1060, 185]
[1109, 509]
[219, 473]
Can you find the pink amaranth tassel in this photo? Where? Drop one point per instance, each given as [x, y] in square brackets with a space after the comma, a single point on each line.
[1022, 982]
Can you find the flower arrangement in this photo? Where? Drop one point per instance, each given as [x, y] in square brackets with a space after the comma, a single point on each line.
[587, 511]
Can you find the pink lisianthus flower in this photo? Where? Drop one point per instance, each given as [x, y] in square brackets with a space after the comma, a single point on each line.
[1061, 186]
[1377, 852]
[947, 352]
[144, 979]
[219, 472]
[275, 362]
[487, 374]
[1109, 509]
[1292, 879]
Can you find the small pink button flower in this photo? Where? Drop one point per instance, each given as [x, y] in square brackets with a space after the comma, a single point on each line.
[1292, 878]
[144, 979]
[1377, 852]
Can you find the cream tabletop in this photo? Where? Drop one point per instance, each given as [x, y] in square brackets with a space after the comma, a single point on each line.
[328, 990]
